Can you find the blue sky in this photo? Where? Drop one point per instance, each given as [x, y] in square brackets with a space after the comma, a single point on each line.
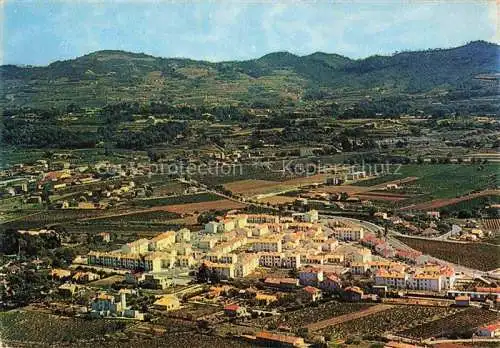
[39, 32]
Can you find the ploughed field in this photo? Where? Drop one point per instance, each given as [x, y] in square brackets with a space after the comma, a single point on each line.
[391, 320]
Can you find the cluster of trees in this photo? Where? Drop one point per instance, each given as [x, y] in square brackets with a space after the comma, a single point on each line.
[42, 133]
[205, 275]
[11, 242]
[160, 133]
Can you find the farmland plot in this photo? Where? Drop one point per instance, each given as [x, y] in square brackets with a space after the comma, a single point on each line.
[43, 329]
[386, 321]
[474, 255]
[303, 317]
[462, 323]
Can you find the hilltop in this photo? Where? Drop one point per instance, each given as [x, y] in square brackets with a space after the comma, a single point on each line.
[279, 78]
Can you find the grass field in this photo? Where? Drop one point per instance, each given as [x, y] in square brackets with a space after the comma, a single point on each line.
[474, 255]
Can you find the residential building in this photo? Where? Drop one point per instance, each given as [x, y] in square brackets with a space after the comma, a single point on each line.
[462, 301]
[60, 274]
[310, 294]
[311, 216]
[282, 283]
[167, 303]
[84, 277]
[212, 227]
[265, 299]
[139, 246]
[67, 289]
[311, 276]
[352, 294]
[276, 340]
[491, 331]
[271, 243]
[331, 283]
[246, 264]
[223, 270]
[391, 278]
[348, 233]
[279, 260]
[233, 310]
[162, 241]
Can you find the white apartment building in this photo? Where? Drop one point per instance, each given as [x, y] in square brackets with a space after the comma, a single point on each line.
[348, 233]
[162, 241]
[138, 246]
[272, 244]
[391, 279]
[280, 260]
[427, 282]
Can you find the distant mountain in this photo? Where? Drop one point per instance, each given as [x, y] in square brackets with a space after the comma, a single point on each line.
[111, 76]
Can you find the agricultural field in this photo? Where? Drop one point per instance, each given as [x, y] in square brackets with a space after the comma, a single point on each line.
[302, 317]
[170, 188]
[174, 200]
[378, 180]
[150, 216]
[451, 180]
[459, 202]
[276, 200]
[251, 187]
[194, 311]
[474, 255]
[176, 339]
[462, 324]
[223, 204]
[382, 196]
[491, 224]
[477, 203]
[41, 329]
[44, 218]
[387, 321]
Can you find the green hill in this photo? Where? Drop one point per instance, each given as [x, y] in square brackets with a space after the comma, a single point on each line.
[279, 78]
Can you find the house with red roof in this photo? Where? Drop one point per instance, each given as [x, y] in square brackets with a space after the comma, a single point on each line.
[492, 330]
[331, 284]
[310, 294]
[234, 310]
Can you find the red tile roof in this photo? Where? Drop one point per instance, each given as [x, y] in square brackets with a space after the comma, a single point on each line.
[491, 327]
[231, 307]
[268, 336]
[311, 290]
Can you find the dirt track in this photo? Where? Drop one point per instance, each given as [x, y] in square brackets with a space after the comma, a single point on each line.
[348, 317]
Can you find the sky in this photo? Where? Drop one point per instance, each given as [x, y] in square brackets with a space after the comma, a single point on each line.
[39, 32]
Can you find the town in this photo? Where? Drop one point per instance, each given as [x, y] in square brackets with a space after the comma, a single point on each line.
[201, 174]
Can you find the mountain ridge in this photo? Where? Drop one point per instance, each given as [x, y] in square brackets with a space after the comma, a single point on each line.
[280, 77]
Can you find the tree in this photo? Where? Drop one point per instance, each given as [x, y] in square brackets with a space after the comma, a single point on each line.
[203, 273]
